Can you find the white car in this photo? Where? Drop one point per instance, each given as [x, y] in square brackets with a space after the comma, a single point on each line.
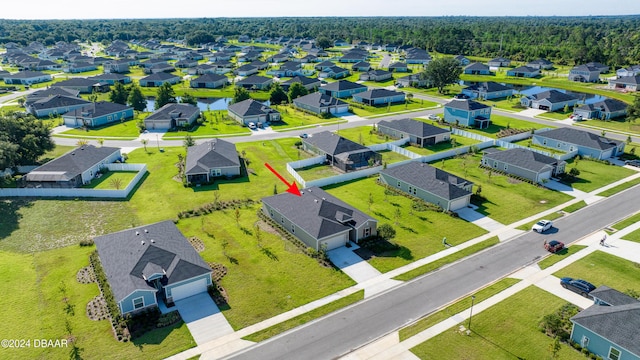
[252, 125]
[542, 226]
[433, 117]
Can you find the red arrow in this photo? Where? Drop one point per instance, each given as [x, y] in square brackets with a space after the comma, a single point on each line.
[293, 187]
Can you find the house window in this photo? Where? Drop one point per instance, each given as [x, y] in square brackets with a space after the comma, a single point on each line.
[414, 191]
[138, 303]
[410, 189]
[584, 342]
[544, 142]
[216, 172]
[505, 166]
[614, 354]
[398, 183]
[282, 220]
[495, 164]
[367, 232]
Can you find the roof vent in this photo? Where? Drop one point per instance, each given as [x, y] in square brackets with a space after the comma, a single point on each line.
[316, 200]
[142, 242]
[146, 231]
[153, 241]
[137, 232]
[324, 198]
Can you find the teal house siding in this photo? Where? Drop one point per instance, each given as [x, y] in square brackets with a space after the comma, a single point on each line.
[127, 305]
[597, 344]
[419, 193]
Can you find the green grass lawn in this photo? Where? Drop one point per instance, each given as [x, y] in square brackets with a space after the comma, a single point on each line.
[363, 135]
[626, 222]
[620, 125]
[633, 236]
[509, 104]
[560, 255]
[292, 117]
[112, 180]
[260, 282]
[594, 174]
[618, 188]
[500, 122]
[391, 157]
[127, 129]
[600, 268]
[216, 123]
[306, 317]
[455, 308]
[575, 207]
[315, 172]
[418, 235]
[507, 199]
[38, 283]
[366, 110]
[58, 151]
[528, 143]
[508, 330]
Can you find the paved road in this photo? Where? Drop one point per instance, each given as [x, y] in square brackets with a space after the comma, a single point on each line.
[384, 63]
[349, 329]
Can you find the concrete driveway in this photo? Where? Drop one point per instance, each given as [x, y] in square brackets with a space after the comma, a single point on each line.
[563, 188]
[471, 215]
[351, 264]
[203, 318]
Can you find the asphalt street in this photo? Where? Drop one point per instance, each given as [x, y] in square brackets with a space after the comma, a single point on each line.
[346, 330]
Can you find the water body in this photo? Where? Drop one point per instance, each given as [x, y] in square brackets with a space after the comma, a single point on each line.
[204, 104]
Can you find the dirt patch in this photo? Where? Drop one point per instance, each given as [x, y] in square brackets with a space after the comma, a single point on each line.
[196, 243]
[86, 275]
[97, 309]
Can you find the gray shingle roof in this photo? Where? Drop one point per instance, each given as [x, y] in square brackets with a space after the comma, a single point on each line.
[619, 324]
[183, 111]
[125, 259]
[477, 66]
[581, 138]
[524, 69]
[75, 82]
[343, 85]
[71, 164]
[553, 96]
[523, 158]
[302, 80]
[208, 77]
[211, 154]
[608, 105]
[317, 212]
[56, 101]
[413, 127]
[465, 104]
[50, 92]
[25, 75]
[109, 76]
[254, 79]
[317, 99]
[163, 76]
[333, 144]
[249, 107]
[488, 86]
[633, 80]
[97, 109]
[611, 296]
[430, 179]
[378, 93]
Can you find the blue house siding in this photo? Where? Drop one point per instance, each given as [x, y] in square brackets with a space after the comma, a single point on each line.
[487, 95]
[343, 93]
[477, 72]
[463, 117]
[599, 345]
[149, 296]
[168, 288]
[57, 111]
[568, 147]
[110, 118]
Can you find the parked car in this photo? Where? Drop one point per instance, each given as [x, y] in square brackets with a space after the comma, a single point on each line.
[635, 163]
[304, 136]
[553, 246]
[579, 286]
[433, 117]
[252, 125]
[542, 226]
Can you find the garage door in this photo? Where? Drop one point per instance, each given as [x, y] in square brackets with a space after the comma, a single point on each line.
[334, 242]
[190, 289]
[459, 203]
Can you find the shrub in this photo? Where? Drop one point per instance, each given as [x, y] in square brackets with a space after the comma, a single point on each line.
[86, 242]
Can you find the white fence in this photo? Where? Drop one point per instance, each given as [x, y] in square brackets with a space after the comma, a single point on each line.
[83, 193]
[344, 177]
[470, 135]
[385, 146]
[516, 137]
[404, 152]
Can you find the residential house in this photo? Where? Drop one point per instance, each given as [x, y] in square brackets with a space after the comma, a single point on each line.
[279, 58]
[418, 132]
[604, 110]
[186, 63]
[340, 42]
[625, 83]
[376, 75]
[413, 80]
[55, 105]
[584, 73]
[52, 91]
[628, 71]
[550, 100]
[353, 57]
[78, 67]
[309, 58]
[98, 114]
[209, 81]
[601, 67]
[84, 86]
[323, 65]
[341, 153]
[171, 116]
[249, 110]
[319, 103]
[398, 67]
[477, 69]
[342, 89]
[111, 78]
[116, 66]
[158, 79]
[212, 159]
[311, 84]
[462, 60]
[379, 97]
[540, 64]
[159, 68]
[430, 184]
[26, 78]
[487, 90]
[151, 264]
[523, 163]
[249, 56]
[524, 71]
[318, 219]
[255, 82]
[499, 62]
[587, 144]
[288, 69]
[260, 65]
[609, 327]
[467, 112]
[73, 169]
[334, 72]
[361, 66]
[417, 56]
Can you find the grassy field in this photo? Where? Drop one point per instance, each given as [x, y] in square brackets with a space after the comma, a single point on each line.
[39, 283]
[618, 188]
[594, 174]
[419, 234]
[559, 256]
[600, 268]
[127, 129]
[507, 200]
[109, 180]
[363, 135]
[306, 317]
[315, 172]
[291, 118]
[391, 157]
[508, 330]
[620, 125]
[455, 308]
[216, 123]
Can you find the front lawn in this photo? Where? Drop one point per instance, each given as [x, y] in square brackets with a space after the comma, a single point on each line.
[507, 199]
[45, 301]
[595, 174]
[620, 125]
[419, 233]
[366, 110]
[216, 123]
[363, 135]
[292, 118]
[127, 129]
[500, 122]
[600, 268]
[508, 330]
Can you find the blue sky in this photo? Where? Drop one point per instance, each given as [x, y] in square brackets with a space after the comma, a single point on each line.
[75, 9]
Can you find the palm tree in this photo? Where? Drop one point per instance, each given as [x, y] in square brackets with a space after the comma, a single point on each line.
[82, 142]
[144, 143]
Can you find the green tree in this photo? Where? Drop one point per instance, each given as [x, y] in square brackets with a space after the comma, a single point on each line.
[119, 94]
[277, 96]
[136, 100]
[323, 42]
[240, 94]
[554, 348]
[23, 139]
[296, 90]
[633, 111]
[188, 141]
[189, 99]
[165, 95]
[386, 231]
[144, 143]
[441, 72]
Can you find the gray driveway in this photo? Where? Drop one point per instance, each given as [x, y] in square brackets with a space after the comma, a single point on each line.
[203, 318]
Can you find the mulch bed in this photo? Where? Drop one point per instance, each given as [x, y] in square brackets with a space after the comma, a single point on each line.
[86, 275]
[97, 309]
[196, 243]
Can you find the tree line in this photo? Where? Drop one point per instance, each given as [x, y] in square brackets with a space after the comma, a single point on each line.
[613, 40]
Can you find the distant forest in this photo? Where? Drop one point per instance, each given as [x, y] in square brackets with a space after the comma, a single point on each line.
[614, 41]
